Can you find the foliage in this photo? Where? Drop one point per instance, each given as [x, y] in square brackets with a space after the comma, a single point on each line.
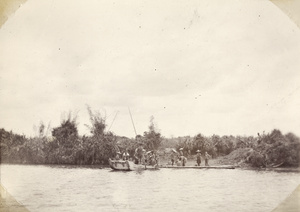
[66, 134]
[269, 150]
[101, 145]
[97, 121]
[10, 145]
[279, 149]
[152, 139]
[214, 145]
[65, 146]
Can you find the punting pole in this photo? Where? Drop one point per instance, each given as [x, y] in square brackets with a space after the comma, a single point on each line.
[113, 120]
[132, 121]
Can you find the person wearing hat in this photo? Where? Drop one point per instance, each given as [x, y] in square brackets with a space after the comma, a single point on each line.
[198, 157]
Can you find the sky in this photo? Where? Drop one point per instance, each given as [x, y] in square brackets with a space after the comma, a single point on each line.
[210, 67]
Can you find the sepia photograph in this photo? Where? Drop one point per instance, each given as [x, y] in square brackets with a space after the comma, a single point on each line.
[136, 105]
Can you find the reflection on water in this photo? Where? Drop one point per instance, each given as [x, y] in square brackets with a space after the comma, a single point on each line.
[73, 188]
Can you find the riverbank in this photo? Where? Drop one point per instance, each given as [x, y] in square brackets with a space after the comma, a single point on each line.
[8, 203]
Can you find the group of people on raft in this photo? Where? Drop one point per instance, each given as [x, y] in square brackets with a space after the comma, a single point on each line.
[141, 156]
[180, 160]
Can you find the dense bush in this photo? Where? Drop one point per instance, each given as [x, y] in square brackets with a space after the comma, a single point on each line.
[214, 145]
[279, 149]
[65, 146]
[152, 139]
[268, 150]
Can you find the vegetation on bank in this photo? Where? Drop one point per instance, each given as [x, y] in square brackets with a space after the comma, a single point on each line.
[66, 146]
[265, 150]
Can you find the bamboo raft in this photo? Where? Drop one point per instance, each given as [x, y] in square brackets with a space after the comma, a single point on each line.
[125, 165]
[197, 167]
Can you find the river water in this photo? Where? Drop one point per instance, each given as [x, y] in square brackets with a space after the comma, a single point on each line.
[75, 188]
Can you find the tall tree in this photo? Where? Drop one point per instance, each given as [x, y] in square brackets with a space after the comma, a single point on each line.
[98, 122]
[152, 137]
[67, 133]
[101, 145]
[199, 142]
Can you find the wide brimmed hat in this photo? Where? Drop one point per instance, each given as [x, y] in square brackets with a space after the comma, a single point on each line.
[198, 150]
[181, 149]
[118, 152]
[173, 150]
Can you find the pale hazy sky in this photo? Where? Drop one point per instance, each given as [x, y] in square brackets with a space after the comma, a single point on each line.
[211, 67]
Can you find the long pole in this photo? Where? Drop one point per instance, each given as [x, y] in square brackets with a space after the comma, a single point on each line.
[113, 120]
[132, 121]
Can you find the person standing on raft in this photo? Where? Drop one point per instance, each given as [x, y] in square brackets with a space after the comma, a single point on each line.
[182, 158]
[198, 157]
[173, 156]
[139, 153]
[207, 156]
[125, 155]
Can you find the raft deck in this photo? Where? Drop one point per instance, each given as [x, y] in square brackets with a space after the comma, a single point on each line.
[197, 167]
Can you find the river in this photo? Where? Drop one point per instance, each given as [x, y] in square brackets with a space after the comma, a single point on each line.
[74, 188]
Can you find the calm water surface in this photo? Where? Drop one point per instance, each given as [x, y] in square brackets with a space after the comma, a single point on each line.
[74, 188]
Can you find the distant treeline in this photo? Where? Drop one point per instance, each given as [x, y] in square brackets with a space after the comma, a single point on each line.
[65, 146]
